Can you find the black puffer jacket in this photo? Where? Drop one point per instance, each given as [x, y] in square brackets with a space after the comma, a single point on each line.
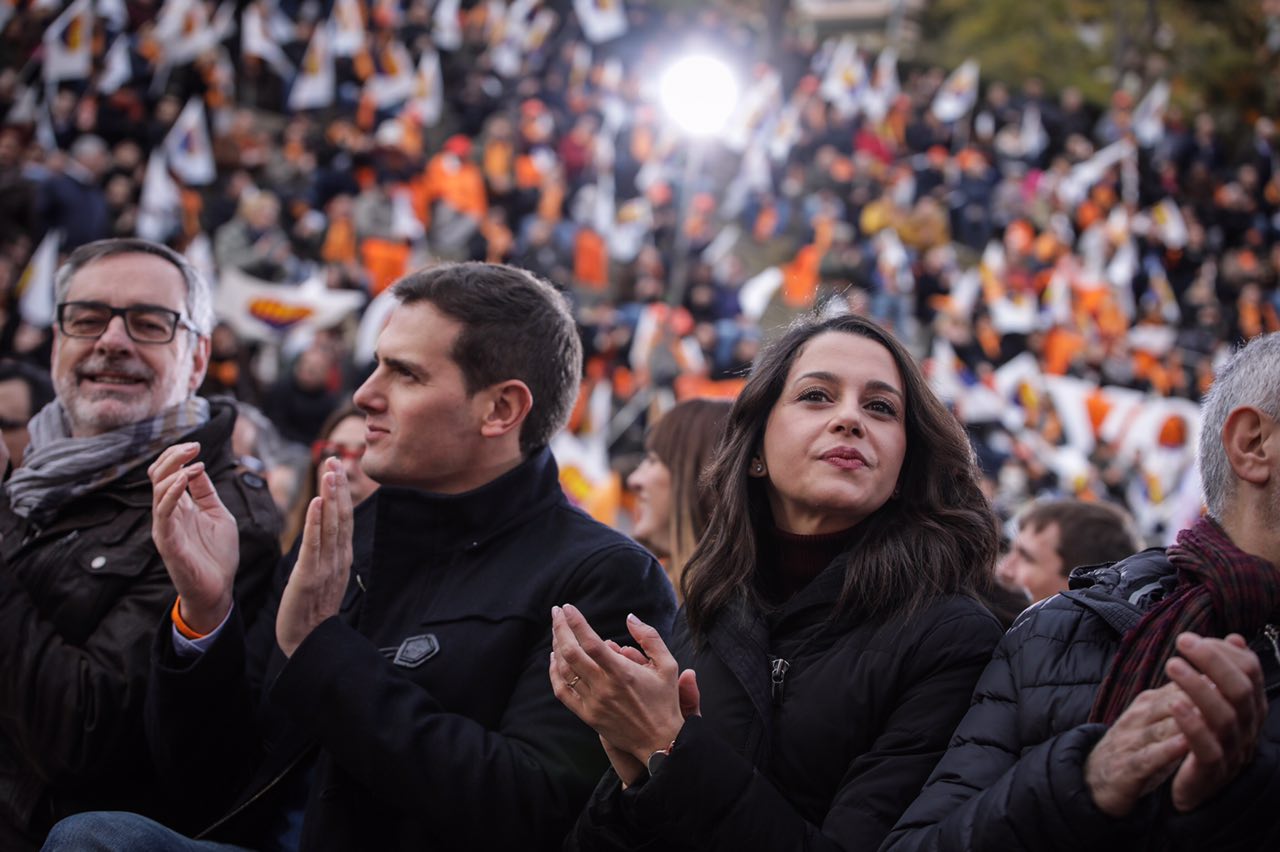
[826, 762]
[1013, 777]
[80, 600]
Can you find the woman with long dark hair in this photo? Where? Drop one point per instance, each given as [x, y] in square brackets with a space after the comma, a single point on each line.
[830, 637]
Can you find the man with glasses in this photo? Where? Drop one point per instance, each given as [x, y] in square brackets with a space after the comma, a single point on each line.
[82, 587]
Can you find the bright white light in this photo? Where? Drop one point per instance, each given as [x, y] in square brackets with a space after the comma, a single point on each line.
[699, 93]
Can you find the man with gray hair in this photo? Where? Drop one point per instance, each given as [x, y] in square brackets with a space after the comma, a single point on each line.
[1132, 710]
[82, 586]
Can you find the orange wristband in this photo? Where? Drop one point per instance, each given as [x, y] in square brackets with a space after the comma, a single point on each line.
[181, 625]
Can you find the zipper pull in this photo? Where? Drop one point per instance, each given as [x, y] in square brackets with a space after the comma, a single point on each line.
[778, 672]
[1273, 633]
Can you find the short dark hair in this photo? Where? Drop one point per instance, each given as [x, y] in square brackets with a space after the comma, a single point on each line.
[1088, 533]
[514, 326]
[199, 296]
[938, 536]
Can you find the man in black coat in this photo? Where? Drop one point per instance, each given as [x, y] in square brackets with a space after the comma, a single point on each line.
[397, 697]
[1131, 712]
[82, 587]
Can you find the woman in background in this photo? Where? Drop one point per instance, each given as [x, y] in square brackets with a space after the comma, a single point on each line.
[341, 435]
[672, 506]
[829, 615]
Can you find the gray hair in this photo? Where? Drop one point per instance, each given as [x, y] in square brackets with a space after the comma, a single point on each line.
[1250, 377]
[199, 295]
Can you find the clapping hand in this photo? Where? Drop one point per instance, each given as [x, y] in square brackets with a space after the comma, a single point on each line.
[319, 579]
[635, 699]
[195, 535]
[1224, 712]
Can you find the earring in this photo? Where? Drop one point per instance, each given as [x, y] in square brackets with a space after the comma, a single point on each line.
[757, 467]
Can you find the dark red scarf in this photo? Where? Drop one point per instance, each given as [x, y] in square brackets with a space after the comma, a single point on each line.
[1220, 590]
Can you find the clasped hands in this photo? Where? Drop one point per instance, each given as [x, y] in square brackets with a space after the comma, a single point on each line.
[197, 539]
[1200, 729]
[635, 699]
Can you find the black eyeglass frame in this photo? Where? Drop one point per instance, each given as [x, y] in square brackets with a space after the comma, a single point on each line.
[178, 320]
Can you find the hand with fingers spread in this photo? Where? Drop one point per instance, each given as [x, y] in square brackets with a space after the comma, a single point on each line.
[195, 535]
[1138, 753]
[1221, 715]
[319, 579]
[631, 699]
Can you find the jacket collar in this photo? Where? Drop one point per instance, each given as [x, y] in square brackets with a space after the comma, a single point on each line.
[462, 521]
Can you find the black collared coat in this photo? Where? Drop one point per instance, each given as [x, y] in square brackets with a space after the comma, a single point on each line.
[422, 716]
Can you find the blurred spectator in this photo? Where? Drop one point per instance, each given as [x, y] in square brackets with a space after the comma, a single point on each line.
[1057, 536]
[24, 390]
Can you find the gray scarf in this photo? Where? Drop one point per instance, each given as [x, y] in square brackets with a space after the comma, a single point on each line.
[57, 467]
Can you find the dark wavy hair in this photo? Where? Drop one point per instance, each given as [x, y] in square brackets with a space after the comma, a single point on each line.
[937, 536]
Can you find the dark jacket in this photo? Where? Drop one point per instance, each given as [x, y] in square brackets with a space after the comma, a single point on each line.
[822, 751]
[1013, 776]
[423, 711]
[80, 600]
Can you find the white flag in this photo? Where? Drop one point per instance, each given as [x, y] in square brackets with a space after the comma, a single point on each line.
[262, 310]
[392, 81]
[35, 287]
[114, 13]
[187, 146]
[68, 44]
[845, 79]
[958, 93]
[348, 27]
[601, 20]
[1032, 136]
[184, 31]
[1075, 186]
[446, 29]
[1148, 117]
[160, 204]
[314, 85]
[254, 41]
[427, 103]
[117, 67]
[760, 100]
[878, 97]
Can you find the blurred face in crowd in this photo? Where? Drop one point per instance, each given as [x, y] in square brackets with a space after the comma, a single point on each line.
[651, 483]
[1033, 562]
[835, 439]
[346, 442]
[15, 411]
[112, 380]
[422, 429]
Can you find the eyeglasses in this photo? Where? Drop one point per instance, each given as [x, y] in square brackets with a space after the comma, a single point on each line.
[143, 323]
[322, 450]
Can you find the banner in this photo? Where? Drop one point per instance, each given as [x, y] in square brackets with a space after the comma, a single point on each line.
[160, 204]
[348, 27]
[35, 288]
[187, 146]
[958, 93]
[255, 41]
[313, 88]
[117, 66]
[601, 20]
[261, 310]
[68, 44]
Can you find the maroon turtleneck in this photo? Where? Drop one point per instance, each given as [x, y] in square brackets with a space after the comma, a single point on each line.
[794, 559]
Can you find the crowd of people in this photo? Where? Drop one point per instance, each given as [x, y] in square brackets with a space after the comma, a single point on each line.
[388, 287]
[1069, 273]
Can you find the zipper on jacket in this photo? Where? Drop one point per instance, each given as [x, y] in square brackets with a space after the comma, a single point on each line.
[777, 675]
[1273, 633]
